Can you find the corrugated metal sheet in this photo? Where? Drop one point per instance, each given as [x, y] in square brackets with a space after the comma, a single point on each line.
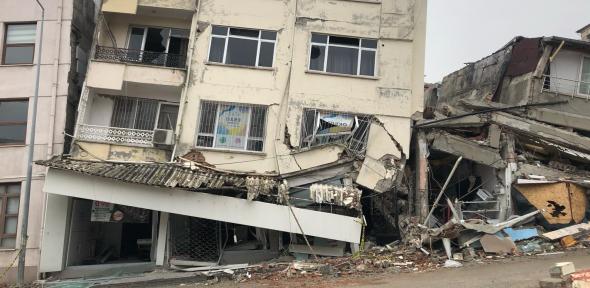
[172, 175]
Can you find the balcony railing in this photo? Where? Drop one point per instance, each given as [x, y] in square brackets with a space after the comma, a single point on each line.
[114, 135]
[568, 87]
[140, 57]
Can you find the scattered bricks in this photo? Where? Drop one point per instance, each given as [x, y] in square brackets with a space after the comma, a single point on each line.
[568, 241]
[552, 283]
[562, 269]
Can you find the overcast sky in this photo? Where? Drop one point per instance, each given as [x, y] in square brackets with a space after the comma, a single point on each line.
[461, 31]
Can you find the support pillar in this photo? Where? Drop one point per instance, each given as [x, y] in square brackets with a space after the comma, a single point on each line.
[507, 176]
[421, 207]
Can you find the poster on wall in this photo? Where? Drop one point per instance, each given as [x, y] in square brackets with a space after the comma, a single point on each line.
[335, 124]
[232, 127]
[109, 212]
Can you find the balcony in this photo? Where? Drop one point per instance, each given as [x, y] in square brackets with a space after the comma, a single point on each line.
[115, 135]
[122, 55]
[567, 87]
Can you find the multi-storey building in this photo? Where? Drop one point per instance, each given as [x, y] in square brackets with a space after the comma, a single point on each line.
[211, 131]
[67, 39]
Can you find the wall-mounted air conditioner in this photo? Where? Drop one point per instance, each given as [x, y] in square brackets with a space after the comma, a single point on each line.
[163, 137]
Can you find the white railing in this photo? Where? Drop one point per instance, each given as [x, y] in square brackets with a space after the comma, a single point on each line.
[114, 135]
[569, 87]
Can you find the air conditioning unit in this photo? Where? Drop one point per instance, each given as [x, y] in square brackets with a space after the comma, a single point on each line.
[163, 137]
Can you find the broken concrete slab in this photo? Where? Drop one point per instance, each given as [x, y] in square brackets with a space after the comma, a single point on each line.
[497, 245]
[332, 251]
[571, 230]
[473, 151]
[561, 269]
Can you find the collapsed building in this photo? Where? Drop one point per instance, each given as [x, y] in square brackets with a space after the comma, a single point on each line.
[507, 135]
[219, 132]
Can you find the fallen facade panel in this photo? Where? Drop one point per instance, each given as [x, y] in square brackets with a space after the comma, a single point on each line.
[206, 206]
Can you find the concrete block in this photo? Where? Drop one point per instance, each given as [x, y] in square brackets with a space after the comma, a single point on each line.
[562, 269]
[552, 283]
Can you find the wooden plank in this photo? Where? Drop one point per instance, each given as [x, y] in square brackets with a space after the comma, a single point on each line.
[571, 230]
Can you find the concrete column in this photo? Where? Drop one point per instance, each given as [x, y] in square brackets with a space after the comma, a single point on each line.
[162, 239]
[506, 176]
[421, 194]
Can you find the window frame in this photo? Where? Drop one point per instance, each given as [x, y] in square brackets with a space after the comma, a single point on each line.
[5, 45]
[160, 103]
[258, 39]
[580, 70]
[25, 122]
[247, 133]
[326, 48]
[3, 215]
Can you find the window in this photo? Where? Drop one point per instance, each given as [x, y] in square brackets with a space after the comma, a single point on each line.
[19, 43]
[342, 55]
[327, 127]
[242, 46]
[141, 114]
[232, 126]
[9, 204]
[13, 121]
[158, 46]
[585, 77]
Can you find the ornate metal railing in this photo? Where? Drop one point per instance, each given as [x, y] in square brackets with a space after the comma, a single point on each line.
[140, 57]
[115, 135]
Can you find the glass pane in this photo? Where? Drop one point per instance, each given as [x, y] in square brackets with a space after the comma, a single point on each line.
[244, 32]
[168, 116]
[368, 63]
[13, 134]
[266, 54]
[319, 38]
[12, 205]
[205, 141]
[342, 60]
[317, 58]
[21, 33]
[241, 52]
[156, 39]
[19, 54]
[13, 189]
[585, 77]
[216, 52]
[344, 41]
[269, 35]
[255, 145]
[219, 30]
[136, 38]
[146, 114]
[369, 43]
[257, 121]
[3, 189]
[207, 119]
[8, 243]
[13, 110]
[10, 225]
[231, 127]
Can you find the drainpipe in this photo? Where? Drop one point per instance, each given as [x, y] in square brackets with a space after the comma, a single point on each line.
[55, 81]
[183, 97]
[31, 149]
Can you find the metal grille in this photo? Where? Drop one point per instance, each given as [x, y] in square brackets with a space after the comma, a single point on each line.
[355, 139]
[194, 239]
[573, 88]
[140, 57]
[134, 113]
[115, 135]
[232, 126]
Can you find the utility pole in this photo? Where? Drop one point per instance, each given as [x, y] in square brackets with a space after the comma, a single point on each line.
[31, 148]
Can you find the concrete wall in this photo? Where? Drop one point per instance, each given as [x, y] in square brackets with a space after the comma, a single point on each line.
[55, 86]
[394, 94]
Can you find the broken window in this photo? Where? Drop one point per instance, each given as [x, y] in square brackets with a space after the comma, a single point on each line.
[327, 127]
[13, 121]
[585, 77]
[158, 46]
[19, 43]
[232, 126]
[342, 55]
[242, 46]
[141, 114]
[9, 203]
